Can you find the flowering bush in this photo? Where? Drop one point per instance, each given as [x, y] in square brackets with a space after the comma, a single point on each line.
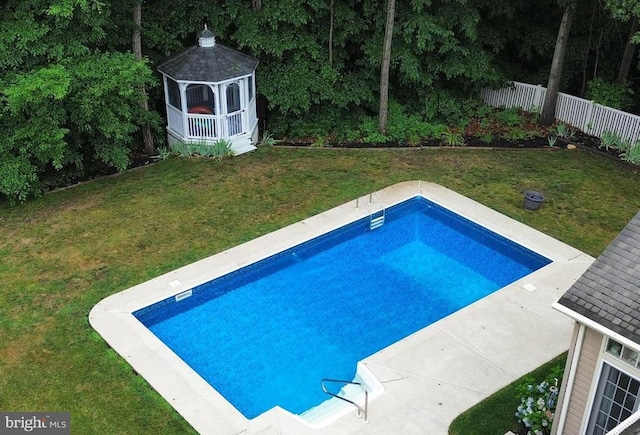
[537, 406]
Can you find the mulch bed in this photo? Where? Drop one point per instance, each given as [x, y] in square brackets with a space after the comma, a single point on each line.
[539, 142]
[57, 180]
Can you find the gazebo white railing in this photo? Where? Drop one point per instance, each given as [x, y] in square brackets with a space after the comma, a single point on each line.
[205, 127]
[196, 126]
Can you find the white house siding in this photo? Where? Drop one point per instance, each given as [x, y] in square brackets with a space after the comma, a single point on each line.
[583, 380]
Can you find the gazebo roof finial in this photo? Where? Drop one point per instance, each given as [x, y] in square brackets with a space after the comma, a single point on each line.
[206, 38]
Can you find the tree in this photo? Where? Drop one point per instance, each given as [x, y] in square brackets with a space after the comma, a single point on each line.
[438, 54]
[547, 117]
[630, 51]
[64, 103]
[136, 42]
[290, 38]
[625, 10]
[332, 5]
[384, 69]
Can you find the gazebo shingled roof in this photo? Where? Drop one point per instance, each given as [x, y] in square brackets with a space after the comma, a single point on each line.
[208, 64]
[609, 291]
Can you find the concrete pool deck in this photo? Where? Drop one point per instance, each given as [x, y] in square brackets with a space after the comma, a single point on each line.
[429, 377]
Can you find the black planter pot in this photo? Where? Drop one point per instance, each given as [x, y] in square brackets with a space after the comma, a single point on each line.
[532, 199]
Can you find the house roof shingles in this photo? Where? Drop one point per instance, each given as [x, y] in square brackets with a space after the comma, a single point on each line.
[634, 429]
[208, 64]
[609, 291]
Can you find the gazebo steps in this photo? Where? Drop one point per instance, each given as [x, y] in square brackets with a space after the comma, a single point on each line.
[241, 146]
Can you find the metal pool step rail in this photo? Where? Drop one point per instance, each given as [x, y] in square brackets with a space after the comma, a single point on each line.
[378, 221]
[361, 411]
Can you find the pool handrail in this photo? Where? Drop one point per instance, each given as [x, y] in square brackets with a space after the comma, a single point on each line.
[366, 396]
[378, 221]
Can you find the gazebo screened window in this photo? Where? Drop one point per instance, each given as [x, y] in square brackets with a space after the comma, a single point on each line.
[173, 91]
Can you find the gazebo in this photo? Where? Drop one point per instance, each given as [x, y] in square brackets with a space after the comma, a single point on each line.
[210, 95]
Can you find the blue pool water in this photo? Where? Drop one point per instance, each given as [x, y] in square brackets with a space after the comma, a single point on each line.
[267, 334]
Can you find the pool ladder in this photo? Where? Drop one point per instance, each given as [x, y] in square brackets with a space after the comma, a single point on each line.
[362, 412]
[374, 222]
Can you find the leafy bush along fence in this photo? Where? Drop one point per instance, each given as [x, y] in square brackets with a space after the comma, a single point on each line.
[588, 116]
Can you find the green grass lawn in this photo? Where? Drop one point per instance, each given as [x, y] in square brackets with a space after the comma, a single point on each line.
[62, 253]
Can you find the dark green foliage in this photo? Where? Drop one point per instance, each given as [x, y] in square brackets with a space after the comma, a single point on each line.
[69, 90]
[62, 102]
[291, 40]
[319, 121]
[616, 95]
[452, 137]
[403, 127]
[436, 48]
[510, 117]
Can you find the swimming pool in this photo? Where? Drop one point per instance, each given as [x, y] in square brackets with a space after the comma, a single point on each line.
[265, 335]
[447, 367]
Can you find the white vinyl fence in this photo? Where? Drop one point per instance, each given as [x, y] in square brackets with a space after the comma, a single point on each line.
[590, 117]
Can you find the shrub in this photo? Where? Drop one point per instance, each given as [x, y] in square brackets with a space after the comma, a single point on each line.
[18, 179]
[563, 130]
[267, 139]
[217, 150]
[435, 131]
[515, 134]
[483, 111]
[453, 137]
[630, 152]
[487, 137]
[319, 121]
[616, 95]
[404, 127]
[369, 131]
[220, 149]
[443, 105]
[538, 403]
[319, 142]
[164, 153]
[182, 149]
[609, 140]
[511, 117]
